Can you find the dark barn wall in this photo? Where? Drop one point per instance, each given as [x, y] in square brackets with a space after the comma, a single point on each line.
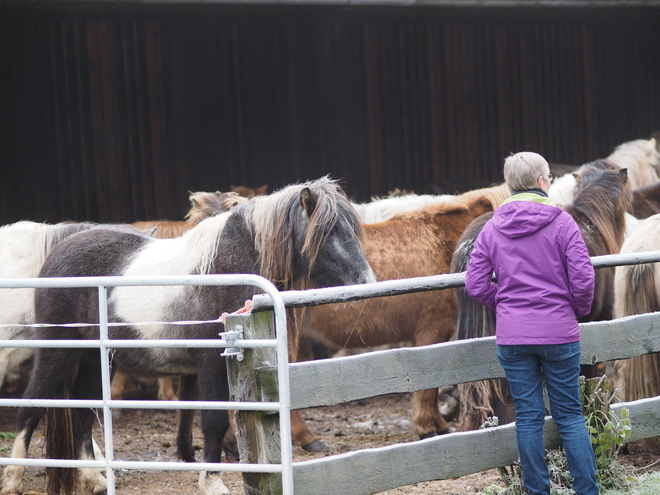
[113, 113]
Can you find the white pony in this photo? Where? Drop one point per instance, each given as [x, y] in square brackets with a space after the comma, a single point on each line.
[381, 209]
[23, 248]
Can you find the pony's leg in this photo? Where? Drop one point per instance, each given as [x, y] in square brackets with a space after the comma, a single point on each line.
[6, 361]
[50, 371]
[431, 329]
[28, 419]
[91, 480]
[230, 443]
[118, 385]
[188, 390]
[302, 435]
[213, 385]
[76, 424]
[166, 389]
[425, 421]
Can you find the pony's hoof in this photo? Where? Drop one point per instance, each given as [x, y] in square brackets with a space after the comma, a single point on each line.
[92, 482]
[13, 480]
[211, 484]
[316, 446]
[186, 454]
[428, 435]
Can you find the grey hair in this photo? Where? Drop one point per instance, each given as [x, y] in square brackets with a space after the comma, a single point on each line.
[521, 170]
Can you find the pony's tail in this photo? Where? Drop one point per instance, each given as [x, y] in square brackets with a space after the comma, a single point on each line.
[635, 291]
[639, 377]
[60, 444]
[481, 399]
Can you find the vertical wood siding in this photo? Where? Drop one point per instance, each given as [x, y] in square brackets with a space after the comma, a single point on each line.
[113, 113]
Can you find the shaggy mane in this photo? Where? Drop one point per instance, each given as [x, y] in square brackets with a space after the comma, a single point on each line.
[273, 217]
[603, 195]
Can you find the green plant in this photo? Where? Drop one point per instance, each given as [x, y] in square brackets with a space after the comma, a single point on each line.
[607, 430]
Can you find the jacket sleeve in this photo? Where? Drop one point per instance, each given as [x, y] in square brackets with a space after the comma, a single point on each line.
[580, 270]
[478, 280]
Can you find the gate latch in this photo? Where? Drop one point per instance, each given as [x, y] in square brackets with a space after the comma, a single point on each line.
[231, 337]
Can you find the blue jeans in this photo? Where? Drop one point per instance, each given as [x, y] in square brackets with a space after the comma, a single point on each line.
[524, 366]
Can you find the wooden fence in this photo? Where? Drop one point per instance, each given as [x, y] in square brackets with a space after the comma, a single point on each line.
[334, 381]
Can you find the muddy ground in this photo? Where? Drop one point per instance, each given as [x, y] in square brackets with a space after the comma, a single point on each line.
[150, 435]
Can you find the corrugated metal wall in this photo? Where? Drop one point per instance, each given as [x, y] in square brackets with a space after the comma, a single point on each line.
[113, 113]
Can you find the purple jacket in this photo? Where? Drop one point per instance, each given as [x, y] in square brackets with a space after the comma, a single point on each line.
[545, 279]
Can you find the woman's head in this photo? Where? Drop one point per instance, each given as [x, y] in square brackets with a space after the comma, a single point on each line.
[523, 170]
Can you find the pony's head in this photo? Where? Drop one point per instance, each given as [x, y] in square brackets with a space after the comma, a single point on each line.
[308, 235]
[603, 195]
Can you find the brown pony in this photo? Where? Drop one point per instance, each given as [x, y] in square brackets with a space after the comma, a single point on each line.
[646, 201]
[249, 192]
[202, 205]
[601, 201]
[413, 244]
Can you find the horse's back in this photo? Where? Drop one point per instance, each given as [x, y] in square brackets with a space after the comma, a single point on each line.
[102, 251]
[96, 252]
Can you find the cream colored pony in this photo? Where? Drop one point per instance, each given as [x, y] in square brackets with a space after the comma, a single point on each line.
[637, 291]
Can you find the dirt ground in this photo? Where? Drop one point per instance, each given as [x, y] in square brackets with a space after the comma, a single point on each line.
[150, 435]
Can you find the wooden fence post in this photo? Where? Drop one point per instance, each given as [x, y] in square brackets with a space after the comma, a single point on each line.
[257, 432]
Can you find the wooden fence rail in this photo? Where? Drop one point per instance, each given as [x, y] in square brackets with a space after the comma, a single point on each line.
[339, 380]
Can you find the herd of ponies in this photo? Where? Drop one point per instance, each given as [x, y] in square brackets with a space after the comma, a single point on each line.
[615, 201]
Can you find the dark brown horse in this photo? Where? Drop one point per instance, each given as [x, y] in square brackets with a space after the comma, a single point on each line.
[601, 201]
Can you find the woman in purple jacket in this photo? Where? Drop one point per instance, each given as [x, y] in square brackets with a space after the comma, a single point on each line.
[545, 282]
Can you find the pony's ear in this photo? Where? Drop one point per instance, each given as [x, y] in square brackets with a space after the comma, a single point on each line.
[307, 201]
[193, 200]
[261, 190]
[150, 232]
[575, 176]
[624, 172]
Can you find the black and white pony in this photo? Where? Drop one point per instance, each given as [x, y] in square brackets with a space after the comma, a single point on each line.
[305, 235]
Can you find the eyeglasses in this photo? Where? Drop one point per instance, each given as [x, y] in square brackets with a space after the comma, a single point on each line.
[551, 178]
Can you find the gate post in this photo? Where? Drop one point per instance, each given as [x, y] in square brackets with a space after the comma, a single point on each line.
[254, 379]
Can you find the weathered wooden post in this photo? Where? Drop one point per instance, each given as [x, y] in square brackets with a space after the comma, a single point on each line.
[253, 379]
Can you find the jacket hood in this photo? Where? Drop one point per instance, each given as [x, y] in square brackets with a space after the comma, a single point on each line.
[524, 214]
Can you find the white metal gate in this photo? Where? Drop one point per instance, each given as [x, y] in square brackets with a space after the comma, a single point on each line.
[106, 345]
